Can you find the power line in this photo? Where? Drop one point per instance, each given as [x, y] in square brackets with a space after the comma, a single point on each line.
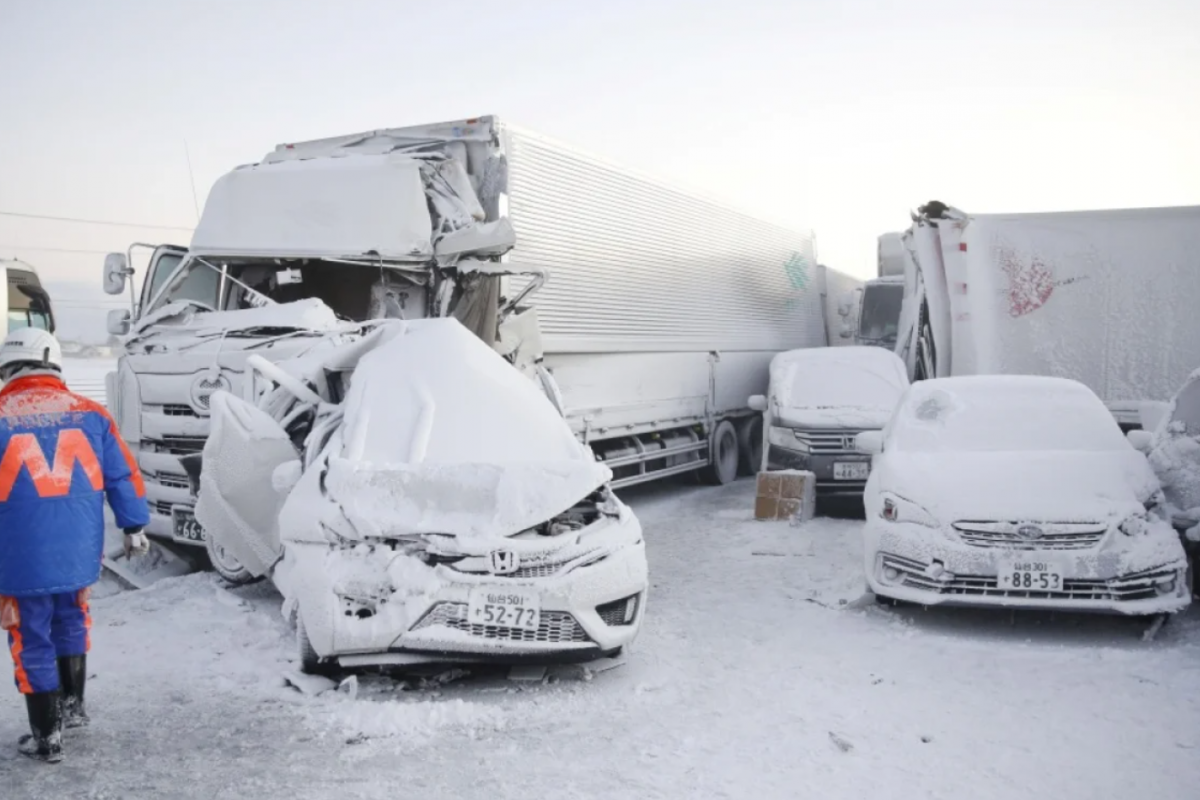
[53, 249]
[93, 221]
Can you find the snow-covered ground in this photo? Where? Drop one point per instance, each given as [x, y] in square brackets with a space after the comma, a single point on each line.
[759, 674]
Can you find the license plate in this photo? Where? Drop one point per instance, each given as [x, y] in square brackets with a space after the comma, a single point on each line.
[1029, 575]
[186, 526]
[504, 609]
[851, 470]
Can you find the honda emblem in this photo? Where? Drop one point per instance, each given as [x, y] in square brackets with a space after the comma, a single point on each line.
[504, 562]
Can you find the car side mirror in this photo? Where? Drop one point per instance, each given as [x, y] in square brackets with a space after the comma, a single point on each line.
[116, 270]
[757, 402]
[1141, 440]
[118, 321]
[869, 443]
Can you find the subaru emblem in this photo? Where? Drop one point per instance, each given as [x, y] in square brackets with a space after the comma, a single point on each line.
[1030, 532]
[503, 562]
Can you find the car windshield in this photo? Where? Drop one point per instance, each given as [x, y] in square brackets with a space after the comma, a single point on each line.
[825, 382]
[1000, 417]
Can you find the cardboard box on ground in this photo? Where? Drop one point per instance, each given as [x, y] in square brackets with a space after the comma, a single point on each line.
[789, 494]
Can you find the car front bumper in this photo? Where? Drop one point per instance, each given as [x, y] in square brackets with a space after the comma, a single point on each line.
[821, 465]
[586, 612]
[920, 565]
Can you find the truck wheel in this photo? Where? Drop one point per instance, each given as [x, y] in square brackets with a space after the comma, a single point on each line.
[723, 455]
[225, 565]
[750, 445]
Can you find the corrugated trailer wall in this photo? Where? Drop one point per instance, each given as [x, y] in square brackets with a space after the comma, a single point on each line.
[637, 266]
[646, 281]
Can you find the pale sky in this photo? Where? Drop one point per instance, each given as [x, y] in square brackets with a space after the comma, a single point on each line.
[834, 115]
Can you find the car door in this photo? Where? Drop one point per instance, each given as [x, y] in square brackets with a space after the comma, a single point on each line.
[238, 504]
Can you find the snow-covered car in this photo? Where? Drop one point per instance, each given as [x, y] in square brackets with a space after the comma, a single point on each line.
[819, 400]
[1020, 492]
[416, 498]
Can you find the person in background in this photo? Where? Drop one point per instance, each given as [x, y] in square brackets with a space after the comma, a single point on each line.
[60, 456]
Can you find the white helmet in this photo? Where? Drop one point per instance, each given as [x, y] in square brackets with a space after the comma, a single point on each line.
[29, 349]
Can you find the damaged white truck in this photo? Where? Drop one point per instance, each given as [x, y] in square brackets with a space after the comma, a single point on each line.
[659, 315]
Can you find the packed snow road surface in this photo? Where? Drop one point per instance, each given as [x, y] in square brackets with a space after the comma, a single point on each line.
[760, 673]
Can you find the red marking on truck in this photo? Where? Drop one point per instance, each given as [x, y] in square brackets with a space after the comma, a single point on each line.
[1030, 282]
[962, 246]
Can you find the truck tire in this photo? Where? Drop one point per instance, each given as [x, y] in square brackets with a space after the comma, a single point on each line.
[225, 565]
[722, 454]
[750, 444]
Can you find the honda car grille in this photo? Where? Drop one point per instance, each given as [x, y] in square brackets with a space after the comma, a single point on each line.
[1022, 536]
[828, 442]
[1139, 586]
[556, 627]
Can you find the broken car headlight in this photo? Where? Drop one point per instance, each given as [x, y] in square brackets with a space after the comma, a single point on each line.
[1137, 525]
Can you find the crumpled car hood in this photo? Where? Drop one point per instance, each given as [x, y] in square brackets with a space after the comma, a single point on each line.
[472, 450]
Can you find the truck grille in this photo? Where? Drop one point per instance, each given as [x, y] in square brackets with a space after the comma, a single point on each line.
[556, 627]
[1055, 536]
[172, 480]
[178, 410]
[828, 442]
[1140, 586]
[177, 445]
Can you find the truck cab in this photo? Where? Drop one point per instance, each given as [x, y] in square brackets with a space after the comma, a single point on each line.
[27, 302]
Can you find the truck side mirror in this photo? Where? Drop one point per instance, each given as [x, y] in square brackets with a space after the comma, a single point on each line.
[845, 334]
[118, 321]
[757, 402]
[844, 309]
[116, 270]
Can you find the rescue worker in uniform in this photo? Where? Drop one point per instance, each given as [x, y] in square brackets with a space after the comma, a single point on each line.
[60, 455]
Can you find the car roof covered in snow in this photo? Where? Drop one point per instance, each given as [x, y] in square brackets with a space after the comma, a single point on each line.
[1005, 413]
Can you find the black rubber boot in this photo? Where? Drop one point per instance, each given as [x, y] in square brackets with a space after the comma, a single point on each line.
[45, 742]
[72, 675]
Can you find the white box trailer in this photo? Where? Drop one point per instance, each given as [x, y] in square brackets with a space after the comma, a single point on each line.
[1108, 298]
[656, 314]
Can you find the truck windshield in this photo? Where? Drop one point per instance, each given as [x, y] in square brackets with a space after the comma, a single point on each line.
[28, 304]
[880, 316]
[353, 292]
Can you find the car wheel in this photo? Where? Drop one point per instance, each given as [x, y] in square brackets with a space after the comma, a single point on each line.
[750, 445]
[226, 565]
[310, 662]
[723, 455]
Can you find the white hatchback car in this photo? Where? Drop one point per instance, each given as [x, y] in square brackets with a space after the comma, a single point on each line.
[1019, 492]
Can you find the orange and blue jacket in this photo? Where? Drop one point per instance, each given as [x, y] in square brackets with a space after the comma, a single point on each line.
[60, 456]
